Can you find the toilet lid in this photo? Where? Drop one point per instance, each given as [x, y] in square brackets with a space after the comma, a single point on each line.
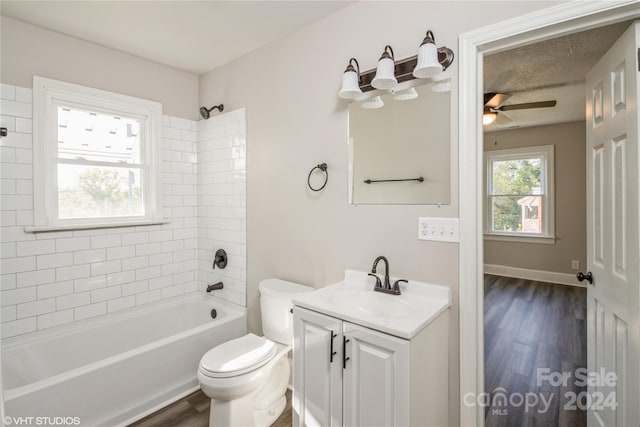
[238, 356]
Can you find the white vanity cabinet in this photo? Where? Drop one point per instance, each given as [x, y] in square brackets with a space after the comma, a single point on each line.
[346, 374]
[317, 369]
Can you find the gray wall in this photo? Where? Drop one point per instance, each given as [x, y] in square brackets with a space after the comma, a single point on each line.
[296, 120]
[570, 199]
[27, 50]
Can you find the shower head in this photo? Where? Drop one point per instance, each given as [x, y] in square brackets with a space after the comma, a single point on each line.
[206, 112]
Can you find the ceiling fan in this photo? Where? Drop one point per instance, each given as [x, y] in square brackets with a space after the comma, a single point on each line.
[493, 108]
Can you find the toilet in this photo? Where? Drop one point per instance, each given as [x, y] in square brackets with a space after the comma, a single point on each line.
[247, 377]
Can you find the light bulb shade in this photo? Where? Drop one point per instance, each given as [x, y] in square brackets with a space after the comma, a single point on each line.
[373, 103]
[406, 94]
[442, 86]
[488, 118]
[350, 86]
[385, 78]
[428, 65]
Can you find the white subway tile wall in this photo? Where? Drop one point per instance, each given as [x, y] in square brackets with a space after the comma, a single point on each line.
[221, 194]
[49, 279]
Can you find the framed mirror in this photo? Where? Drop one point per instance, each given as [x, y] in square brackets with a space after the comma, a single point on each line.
[399, 147]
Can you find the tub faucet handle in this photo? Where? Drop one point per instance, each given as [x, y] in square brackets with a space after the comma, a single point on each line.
[220, 259]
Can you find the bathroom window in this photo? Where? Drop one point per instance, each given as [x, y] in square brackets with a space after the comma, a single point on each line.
[519, 198]
[96, 157]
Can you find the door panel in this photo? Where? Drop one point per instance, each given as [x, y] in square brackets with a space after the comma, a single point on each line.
[613, 301]
[317, 376]
[375, 378]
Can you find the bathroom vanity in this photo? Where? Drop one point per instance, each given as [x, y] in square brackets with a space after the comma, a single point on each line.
[364, 358]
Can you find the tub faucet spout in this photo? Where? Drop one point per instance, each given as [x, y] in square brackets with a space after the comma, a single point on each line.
[215, 287]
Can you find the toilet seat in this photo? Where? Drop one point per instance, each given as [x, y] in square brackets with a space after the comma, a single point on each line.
[238, 356]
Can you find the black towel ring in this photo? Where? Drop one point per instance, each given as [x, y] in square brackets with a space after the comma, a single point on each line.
[323, 168]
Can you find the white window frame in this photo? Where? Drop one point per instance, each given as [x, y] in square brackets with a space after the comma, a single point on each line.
[47, 95]
[546, 154]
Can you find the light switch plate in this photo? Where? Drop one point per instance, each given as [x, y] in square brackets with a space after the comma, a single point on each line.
[438, 229]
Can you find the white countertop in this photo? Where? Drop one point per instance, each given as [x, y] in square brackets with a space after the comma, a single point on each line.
[354, 300]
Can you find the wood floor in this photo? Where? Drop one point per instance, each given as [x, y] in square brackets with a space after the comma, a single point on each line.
[193, 411]
[530, 325]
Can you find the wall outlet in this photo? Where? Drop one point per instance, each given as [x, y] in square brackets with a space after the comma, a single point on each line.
[438, 229]
[575, 264]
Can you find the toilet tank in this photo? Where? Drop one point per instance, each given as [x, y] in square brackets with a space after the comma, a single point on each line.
[276, 304]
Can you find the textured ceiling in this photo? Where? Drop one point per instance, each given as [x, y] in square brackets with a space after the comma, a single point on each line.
[548, 70]
[193, 36]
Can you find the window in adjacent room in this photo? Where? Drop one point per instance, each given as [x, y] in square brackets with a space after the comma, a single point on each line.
[519, 200]
[96, 159]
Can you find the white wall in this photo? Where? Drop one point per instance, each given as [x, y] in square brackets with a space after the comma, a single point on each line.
[54, 278]
[222, 208]
[27, 50]
[297, 121]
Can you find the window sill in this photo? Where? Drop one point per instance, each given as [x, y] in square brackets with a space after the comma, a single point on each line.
[73, 227]
[546, 240]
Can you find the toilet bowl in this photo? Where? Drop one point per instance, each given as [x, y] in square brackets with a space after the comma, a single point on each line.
[247, 378]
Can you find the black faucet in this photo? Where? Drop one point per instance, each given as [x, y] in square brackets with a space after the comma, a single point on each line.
[387, 289]
[387, 285]
[215, 287]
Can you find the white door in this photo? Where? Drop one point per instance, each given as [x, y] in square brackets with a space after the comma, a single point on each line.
[317, 369]
[375, 378]
[613, 300]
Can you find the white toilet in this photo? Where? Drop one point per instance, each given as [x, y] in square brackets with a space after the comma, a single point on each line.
[247, 378]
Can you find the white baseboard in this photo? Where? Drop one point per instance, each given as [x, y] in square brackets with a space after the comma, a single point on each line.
[538, 275]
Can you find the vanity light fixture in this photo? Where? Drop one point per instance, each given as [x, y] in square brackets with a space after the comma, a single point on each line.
[385, 77]
[429, 61]
[405, 94]
[428, 64]
[351, 81]
[442, 86]
[373, 103]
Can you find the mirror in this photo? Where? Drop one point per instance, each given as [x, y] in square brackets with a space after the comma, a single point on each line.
[398, 144]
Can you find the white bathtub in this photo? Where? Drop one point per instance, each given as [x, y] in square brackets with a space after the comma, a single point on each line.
[114, 370]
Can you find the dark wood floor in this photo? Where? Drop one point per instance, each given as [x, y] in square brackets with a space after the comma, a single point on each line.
[530, 325]
[193, 411]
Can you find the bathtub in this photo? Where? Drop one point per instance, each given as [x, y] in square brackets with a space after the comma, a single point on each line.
[113, 370]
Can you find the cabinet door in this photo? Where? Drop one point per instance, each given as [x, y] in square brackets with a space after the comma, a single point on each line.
[317, 369]
[375, 378]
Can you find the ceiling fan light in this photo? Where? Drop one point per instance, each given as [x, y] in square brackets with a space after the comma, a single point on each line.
[489, 117]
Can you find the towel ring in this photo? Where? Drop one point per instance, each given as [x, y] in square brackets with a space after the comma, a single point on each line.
[323, 168]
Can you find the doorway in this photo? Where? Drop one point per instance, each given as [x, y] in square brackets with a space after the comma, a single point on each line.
[535, 228]
[554, 22]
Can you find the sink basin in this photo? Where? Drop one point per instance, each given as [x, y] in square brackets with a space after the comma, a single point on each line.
[369, 303]
[353, 299]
